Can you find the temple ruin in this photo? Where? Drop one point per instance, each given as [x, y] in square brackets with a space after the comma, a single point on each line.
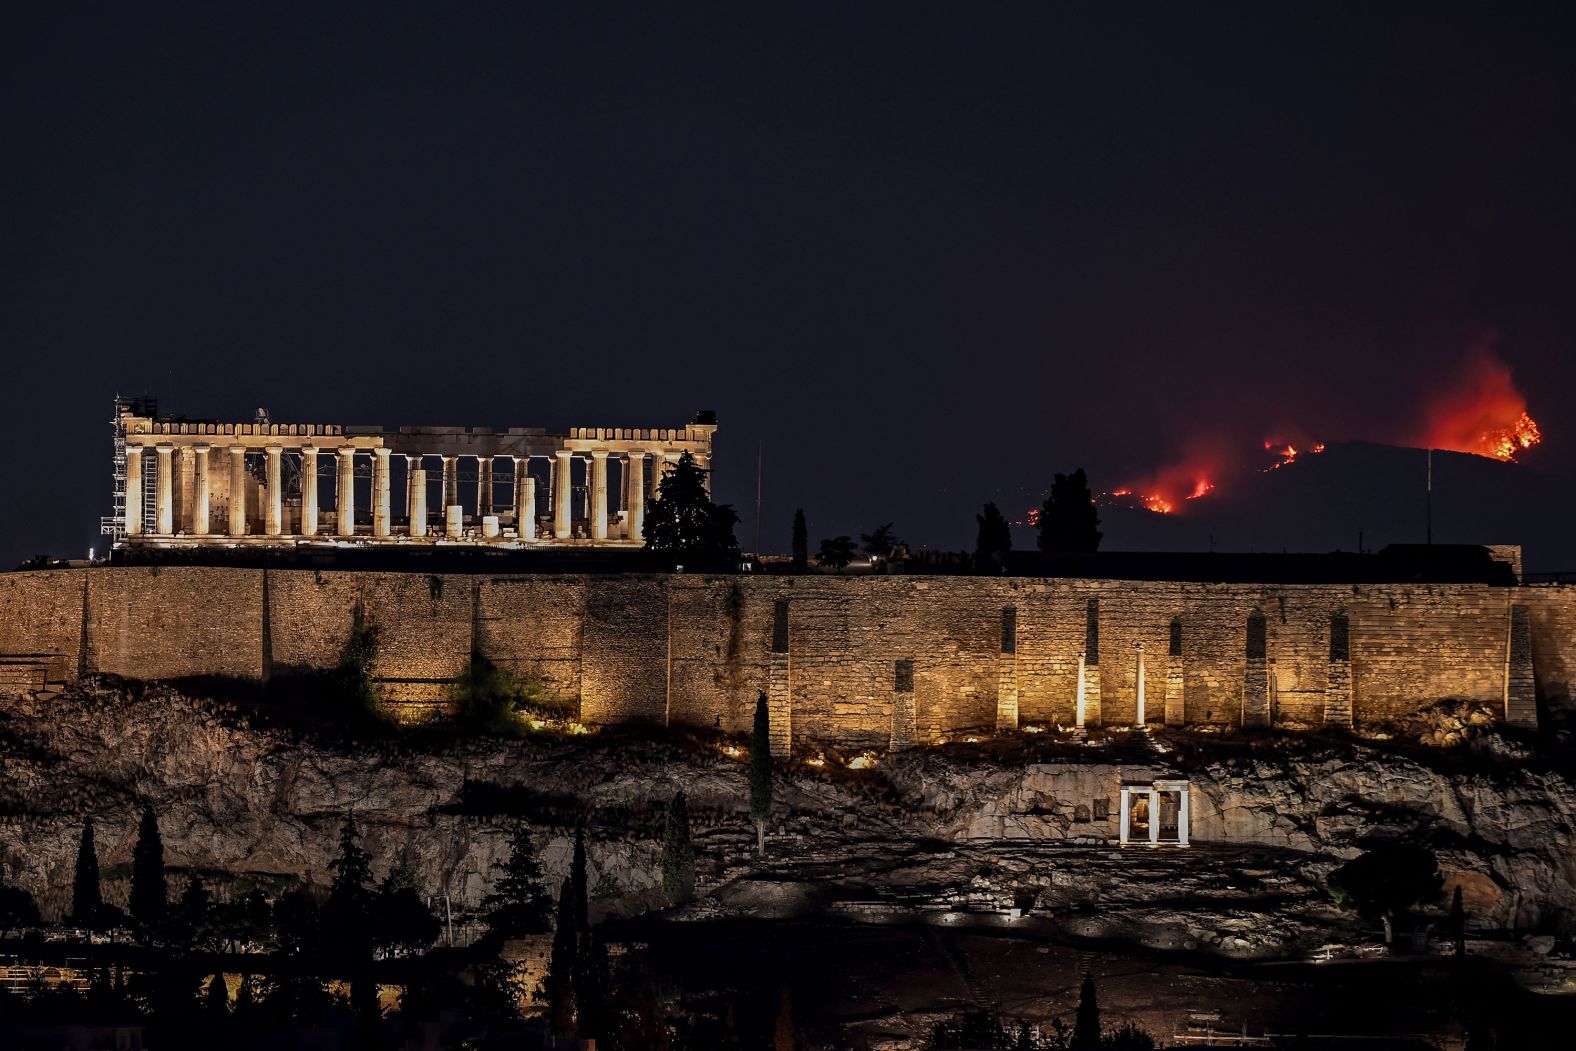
[182, 483]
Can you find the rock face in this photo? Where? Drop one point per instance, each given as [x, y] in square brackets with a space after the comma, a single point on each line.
[989, 826]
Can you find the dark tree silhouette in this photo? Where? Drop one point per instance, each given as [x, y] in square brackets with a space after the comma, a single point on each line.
[880, 542]
[347, 916]
[1068, 519]
[401, 921]
[761, 771]
[568, 963]
[678, 854]
[1086, 1024]
[801, 542]
[217, 997]
[684, 523]
[836, 552]
[87, 897]
[519, 903]
[150, 892]
[1458, 922]
[1383, 883]
[993, 540]
[17, 909]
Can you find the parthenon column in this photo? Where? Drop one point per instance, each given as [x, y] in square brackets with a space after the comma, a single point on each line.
[524, 499]
[484, 487]
[309, 490]
[451, 484]
[561, 518]
[599, 495]
[418, 500]
[164, 502]
[1078, 714]
[412, 465]
[273, 506]
[1154, 815]
[657, 463]
[345, 491]
[635, 498]
[200, 490]
[381, 514]
[1138, 718]
[237, 490]
[133, 490]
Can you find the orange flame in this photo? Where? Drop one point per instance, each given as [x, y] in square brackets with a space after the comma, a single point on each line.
[1485, 414]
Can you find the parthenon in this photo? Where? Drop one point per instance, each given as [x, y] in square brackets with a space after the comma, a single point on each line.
[183, 483]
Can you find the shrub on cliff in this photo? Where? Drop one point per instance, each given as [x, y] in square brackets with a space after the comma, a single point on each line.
[1385, 882]
[490, 700]
[353, 686]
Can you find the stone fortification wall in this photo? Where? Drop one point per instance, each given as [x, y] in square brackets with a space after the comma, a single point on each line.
[863, 661]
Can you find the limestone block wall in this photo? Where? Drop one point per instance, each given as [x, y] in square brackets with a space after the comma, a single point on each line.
[697, 650]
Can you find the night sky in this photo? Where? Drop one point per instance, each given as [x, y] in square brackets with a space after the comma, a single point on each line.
[924, 256]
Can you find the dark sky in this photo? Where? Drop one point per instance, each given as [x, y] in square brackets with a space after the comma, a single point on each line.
[926, 256]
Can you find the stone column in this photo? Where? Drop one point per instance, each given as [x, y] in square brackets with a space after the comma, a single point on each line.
[1154, 815]
[164, 502]
[635, 494]
[133, 490]
[345, 492]
[273, 497]
[1124, 816]
[658, 464]
[1176, 678]
[484, 488]
[1182, 815]
[599, 495]
[524, 499]
[382, 513]
[562, 523]
[200, 490]
[412, 465]
[1007, 672]
[454, 521]
[418, 502]
[779, 692]
[1138, 717]
[309, 490]
[1083, 669]
[451, 483]
[238, 490]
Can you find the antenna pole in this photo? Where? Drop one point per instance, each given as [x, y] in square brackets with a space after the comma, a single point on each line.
[1430, 499]
[758, 461]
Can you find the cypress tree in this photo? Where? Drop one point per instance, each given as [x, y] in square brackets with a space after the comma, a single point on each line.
[87, 898]
[1086, 1025]
[150, 892]
[801, 542]
[218, 996]
[678, 854]
[993, 540]
[1458, 922]
[761, 771]
[564, 961]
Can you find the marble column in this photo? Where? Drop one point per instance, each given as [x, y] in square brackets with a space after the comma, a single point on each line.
[418, 502]
[1182, 815]
[524, 499]
[412, 465]
[238, 489]
[484, 487]
[599, 495]
[562, 521]
[382, 515]
[164, 504]
[345, 491]
[133, 490]
[273, 497]
[635, 500]
[657, 463]
[1138, 719]
[1154, 815]
[309, 490]
[451, 484]
[1124, 823]
[200, 490]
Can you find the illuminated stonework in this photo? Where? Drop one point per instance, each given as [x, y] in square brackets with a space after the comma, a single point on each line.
[187, 484]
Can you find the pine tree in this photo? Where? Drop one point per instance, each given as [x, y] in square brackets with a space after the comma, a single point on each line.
[519, 903]
[801, 542]
[347, 916]
[1068, 519]
[836, 551]
[678, 854]
[880, 542]
[87, 898]
[683, 522]
[150, 890]
[993, 540]
[761, 771]
[1086, 1025]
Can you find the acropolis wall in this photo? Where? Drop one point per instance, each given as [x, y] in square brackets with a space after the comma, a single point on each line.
[861, 661]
